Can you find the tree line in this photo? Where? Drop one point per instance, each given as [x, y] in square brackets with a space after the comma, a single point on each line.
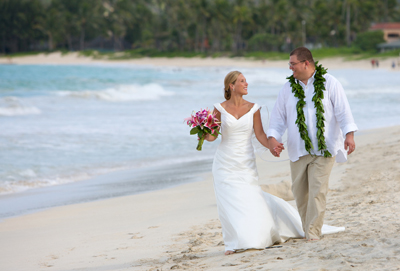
[205, 26]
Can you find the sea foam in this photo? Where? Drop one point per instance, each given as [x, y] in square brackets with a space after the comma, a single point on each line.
[12, 106]
[122, 93]
[28, 179]
[22, 180]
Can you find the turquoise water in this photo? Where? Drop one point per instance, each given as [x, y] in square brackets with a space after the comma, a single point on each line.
[62, 124]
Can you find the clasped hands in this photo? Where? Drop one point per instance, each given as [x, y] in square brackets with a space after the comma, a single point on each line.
[275, 147]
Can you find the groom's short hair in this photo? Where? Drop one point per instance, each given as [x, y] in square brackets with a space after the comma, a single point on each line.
[303, 54]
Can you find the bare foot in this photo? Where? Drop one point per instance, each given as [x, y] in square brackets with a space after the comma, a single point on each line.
[229, 252]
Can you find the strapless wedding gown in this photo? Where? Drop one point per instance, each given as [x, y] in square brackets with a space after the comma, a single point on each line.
[250, 218]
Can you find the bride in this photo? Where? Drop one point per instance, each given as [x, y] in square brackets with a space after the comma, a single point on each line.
[250, 218]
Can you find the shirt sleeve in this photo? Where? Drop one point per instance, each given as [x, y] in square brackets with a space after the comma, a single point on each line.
[341, 107]
[278, 120]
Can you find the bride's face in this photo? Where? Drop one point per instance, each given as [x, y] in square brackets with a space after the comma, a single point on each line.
[240, 86]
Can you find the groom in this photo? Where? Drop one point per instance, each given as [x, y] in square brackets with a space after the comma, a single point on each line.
[313, 107]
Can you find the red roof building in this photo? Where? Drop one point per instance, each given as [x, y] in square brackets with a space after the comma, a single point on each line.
[391, 31]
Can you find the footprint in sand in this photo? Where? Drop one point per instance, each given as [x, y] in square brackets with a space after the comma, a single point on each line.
[229, 264]
[189, 250]
[153, 227]
[119, 248]
[101, 255]
[136, 235]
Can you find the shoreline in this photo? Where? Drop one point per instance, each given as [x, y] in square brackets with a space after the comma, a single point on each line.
[30, 201]
[114, 184]
[178, 227]
[76, 59]
[120, 183]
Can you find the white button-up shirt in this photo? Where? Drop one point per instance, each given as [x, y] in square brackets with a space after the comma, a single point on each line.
[338, 119]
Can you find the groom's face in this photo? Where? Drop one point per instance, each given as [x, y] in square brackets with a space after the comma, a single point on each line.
[298, 67]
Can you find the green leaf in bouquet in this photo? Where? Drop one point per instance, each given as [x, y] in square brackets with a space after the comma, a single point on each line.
[194, 131]
[200, 133]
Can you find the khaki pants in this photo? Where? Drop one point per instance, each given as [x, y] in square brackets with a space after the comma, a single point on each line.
[310, 179]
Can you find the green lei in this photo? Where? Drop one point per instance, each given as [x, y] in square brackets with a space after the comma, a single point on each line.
[319, 88]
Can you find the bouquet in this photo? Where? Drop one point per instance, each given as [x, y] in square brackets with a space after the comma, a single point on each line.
[203, 122]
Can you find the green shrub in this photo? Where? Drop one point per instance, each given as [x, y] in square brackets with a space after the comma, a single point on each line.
[369, 40]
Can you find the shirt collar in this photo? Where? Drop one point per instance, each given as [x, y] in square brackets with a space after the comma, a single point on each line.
[310, 80]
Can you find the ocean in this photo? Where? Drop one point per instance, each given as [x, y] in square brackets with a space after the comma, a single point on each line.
[62, 124]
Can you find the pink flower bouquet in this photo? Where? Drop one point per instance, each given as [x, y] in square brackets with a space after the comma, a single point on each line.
[203, 122]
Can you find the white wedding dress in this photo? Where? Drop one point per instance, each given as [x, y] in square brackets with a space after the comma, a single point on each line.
[250, 218]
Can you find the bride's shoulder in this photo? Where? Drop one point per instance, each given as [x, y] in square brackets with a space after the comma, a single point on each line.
[249, 105]
[254, 107]
[223, 104]
[218, 106]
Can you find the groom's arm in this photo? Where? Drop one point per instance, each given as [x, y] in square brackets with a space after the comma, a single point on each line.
[278, 121]
[341, 107]
[343, 114]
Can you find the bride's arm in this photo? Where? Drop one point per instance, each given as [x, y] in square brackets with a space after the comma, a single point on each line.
[259, 131]
[261, 136]
[218, 116]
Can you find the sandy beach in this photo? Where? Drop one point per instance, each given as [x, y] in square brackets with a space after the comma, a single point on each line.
[75, 58]
[178, 228]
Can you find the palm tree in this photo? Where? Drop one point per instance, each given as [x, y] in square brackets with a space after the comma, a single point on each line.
[241, 14]
[220, 24]
[52, 24]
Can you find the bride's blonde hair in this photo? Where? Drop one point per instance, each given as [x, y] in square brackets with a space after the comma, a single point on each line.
[230, 78]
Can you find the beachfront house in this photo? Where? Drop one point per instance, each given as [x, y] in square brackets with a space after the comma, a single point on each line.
[391, 34]
[391, 31]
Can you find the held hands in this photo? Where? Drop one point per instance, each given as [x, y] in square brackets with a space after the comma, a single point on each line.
[275, 147]
[349, 143]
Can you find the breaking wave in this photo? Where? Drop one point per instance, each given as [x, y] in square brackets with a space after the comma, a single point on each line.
[122, 93]
[12, 106]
